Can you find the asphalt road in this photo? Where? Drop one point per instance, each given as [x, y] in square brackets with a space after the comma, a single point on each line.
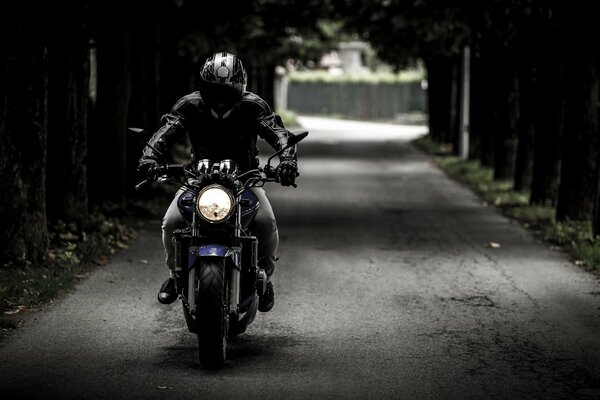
[387, 288]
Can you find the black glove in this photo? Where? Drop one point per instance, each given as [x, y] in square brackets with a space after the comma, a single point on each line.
[287, 171]
[147, 168]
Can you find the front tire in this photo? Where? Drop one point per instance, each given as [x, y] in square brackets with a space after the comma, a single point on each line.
[211, 314]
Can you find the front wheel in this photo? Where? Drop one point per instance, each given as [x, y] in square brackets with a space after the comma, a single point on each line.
[211, 314]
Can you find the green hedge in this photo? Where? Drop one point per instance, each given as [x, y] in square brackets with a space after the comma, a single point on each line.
[374, 77]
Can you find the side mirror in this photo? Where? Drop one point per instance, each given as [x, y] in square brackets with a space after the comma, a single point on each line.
[292, 141]
[295, 138]
[137, 131]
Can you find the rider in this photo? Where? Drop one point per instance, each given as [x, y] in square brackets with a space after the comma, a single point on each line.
[222, 121]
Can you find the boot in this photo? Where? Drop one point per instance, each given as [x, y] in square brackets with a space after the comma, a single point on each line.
[267, 300]
[167, 293]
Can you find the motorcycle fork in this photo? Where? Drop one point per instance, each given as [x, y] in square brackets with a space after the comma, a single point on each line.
[233, 273]
[191, 283]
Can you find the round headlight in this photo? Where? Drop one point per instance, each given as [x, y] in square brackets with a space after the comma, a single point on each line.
[215, 203]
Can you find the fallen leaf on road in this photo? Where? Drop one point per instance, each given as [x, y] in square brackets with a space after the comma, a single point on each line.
[493, 245]
[103, 260]
[164, 387]
[16, 310]
[144, 261]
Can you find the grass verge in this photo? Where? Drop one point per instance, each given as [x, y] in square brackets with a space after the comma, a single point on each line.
[74, 252]
[573, 237]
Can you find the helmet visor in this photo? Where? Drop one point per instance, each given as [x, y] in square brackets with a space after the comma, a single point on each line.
[221, 97]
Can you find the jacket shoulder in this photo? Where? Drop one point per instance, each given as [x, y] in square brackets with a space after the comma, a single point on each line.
[193, 100]
[254, 103]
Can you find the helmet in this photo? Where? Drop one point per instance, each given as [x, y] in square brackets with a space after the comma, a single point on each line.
[222, 83]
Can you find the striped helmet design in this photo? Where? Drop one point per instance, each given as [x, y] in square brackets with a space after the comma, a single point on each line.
[223, 83]
[224, 68]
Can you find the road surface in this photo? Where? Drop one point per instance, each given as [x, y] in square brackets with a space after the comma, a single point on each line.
[387, 288]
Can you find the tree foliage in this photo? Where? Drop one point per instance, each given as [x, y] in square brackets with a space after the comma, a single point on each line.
[534, 84]
[406, 31]
[533, 71]
[136, 64]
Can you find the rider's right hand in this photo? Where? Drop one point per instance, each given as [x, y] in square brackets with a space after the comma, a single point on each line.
[147, 168]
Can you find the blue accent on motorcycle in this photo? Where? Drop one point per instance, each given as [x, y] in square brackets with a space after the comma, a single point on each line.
[250, 206]
[214, 250]
[185, 203]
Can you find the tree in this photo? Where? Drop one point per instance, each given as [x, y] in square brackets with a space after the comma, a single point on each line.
[23, 132]
[526, 24]
[107, 176]
[547, 106]
[482, 111]
[263, 33]
[145, 62]
[577, 191]
[405, 32]
[68, 87]
[497, 75]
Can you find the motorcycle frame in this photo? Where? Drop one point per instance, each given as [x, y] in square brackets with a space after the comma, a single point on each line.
[233, 262]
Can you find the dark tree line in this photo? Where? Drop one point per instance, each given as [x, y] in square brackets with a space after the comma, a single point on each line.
[534, 86]
[70, 85]
[75, 74]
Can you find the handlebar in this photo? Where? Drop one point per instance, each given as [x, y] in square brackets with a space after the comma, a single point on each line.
[176, 174]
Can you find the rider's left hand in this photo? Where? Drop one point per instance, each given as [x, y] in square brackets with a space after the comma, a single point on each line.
[287, 171]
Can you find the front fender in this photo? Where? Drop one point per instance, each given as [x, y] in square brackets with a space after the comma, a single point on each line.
[214, 250]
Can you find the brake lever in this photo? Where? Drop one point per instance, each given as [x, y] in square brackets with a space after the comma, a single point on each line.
[143, 183]
[164, 178]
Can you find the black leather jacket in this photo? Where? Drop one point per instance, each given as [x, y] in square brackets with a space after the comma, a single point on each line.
[233, 137]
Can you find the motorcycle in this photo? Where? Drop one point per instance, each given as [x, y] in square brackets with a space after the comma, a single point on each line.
[217, 275]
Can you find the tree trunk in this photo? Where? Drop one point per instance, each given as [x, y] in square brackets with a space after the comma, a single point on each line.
[548, 115]
[524, 161]
[476, 99]
[23, 133]
[67, 118]
[439, 96]
[144, 105]
[108, 135]
[577, 189]
[435, 131]
[505, 101]
[482, 106]
[456, 103]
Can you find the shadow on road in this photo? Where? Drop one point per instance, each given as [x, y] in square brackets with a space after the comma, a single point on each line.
[249, 349]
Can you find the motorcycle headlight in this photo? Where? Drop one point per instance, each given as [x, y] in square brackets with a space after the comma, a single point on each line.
[215, 203]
